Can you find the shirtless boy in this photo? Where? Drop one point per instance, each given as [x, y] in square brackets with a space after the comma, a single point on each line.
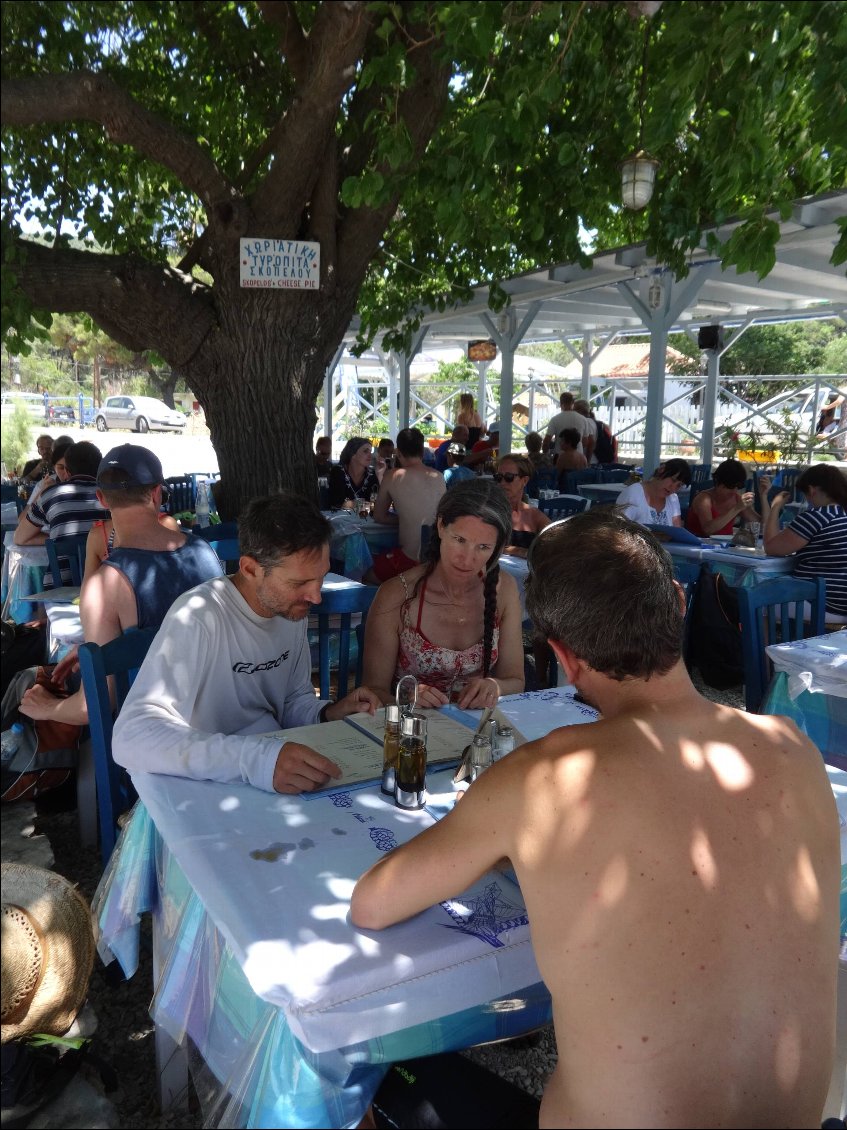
[679, 860]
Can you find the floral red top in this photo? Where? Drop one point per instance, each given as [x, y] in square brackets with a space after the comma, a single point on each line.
[435, 665]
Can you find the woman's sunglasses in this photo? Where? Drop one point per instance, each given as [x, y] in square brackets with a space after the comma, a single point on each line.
[509, 476]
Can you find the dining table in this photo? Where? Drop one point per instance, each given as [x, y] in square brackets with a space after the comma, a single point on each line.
[355, 541]
[809, 685]
[23, 571]
[296, 1012]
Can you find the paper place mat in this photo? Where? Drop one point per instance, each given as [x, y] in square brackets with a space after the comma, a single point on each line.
[62, 594]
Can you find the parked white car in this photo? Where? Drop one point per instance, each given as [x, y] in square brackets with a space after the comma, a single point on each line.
[139, 414]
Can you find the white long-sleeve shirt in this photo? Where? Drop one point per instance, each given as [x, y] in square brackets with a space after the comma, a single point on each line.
[217, 674]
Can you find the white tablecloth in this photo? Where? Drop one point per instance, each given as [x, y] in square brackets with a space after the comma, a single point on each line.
[817, 664]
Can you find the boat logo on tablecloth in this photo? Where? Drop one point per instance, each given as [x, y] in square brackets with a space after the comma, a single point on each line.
[487, 916]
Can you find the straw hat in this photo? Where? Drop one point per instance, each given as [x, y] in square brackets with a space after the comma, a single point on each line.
[47, 952]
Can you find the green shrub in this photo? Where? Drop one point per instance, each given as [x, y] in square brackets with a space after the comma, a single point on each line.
[17, 438]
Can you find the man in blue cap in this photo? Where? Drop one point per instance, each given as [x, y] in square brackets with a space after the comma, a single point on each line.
[146, 565]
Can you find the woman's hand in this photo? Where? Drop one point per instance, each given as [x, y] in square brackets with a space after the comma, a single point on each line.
[430, 697]
[479, 694]
[765, 484]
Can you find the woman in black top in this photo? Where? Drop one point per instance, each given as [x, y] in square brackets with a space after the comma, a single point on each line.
[353, 476]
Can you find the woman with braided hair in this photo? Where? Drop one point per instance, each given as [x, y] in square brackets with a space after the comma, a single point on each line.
[454, 621]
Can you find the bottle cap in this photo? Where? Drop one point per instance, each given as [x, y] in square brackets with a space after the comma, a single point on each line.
[392, 714]
[413, 726]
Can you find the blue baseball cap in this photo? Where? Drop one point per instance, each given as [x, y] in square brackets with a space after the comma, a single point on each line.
[141, 467]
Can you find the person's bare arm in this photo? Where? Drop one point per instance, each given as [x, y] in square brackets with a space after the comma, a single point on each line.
[738, 505]
[778, 543]
[28, 533]
[384, 500]
[442, 861]
[589, 439]
[547, 442]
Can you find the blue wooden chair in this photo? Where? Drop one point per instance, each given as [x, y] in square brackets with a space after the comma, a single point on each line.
[614, 474]
[222, 531]
[228, 553]
[545, 479]
[688, 574]
[334, 615]
[701, 473]
[180, 493]
[70, 551]
[121, 658]
[773, 612]
[562, 506]
[570, 480]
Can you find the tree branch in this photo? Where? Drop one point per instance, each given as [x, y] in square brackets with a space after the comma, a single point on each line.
[292, 42]
[335, 47]
[325, 215]
[96, 98]
[420, 107]
[139, 304]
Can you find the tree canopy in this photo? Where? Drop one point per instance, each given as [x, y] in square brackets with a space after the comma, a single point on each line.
[427, 145]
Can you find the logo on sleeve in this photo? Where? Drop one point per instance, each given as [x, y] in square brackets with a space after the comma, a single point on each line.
[244, 668]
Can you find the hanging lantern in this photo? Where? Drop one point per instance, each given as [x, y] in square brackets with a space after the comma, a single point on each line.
[638, 174]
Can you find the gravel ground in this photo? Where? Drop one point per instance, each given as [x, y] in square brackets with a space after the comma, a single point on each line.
[124, 1036]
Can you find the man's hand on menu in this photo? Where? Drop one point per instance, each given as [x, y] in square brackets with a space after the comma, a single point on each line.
[361, 699]
[301, 769]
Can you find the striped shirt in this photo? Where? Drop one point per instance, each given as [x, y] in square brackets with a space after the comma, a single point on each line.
[68, 508]
[824, 528]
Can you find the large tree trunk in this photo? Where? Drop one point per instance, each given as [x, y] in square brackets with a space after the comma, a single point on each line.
[258, 386]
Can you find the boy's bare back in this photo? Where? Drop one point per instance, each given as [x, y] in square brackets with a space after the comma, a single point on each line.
[683, 898]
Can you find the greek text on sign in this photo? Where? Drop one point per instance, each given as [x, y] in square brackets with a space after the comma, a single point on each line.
[282, 264]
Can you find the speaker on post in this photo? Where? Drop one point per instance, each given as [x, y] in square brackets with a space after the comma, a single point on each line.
[710, 337]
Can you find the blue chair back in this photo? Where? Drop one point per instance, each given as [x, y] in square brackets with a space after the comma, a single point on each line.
[8, 492]
[426, 534]
[688, 575]
[181, 493]
[570, 480]
[71, 550]
[614, 474]
[772, 612]
[701, 473]
[562, 506]
[547, 478]
[222, 531]
[228, 553]
[342, 604]
[120, 658]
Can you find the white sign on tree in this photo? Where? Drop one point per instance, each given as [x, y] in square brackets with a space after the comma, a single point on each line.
[282, 264]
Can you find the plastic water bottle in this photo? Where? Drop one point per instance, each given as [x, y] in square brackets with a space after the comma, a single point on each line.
[201, 506]
[11, 742]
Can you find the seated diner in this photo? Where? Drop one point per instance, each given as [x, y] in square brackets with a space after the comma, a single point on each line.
[715, 510]
[512, 476]
[454, 621]
[654, 502]
[818, 536]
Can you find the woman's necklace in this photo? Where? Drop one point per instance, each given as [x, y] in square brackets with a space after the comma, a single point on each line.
[464, 613]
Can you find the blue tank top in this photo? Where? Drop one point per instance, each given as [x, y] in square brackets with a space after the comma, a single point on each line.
[159, 576]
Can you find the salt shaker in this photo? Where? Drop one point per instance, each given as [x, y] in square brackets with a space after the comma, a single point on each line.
[410, 777]
[390, 749]
[505, 741]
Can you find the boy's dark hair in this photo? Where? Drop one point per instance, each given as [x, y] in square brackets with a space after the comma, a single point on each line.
[570, 437]
[384, 443]
[83, 458]
[280, 525]
[731, 473]
[60, 448]
[533, 442]
[604, 587]
[410, 443]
